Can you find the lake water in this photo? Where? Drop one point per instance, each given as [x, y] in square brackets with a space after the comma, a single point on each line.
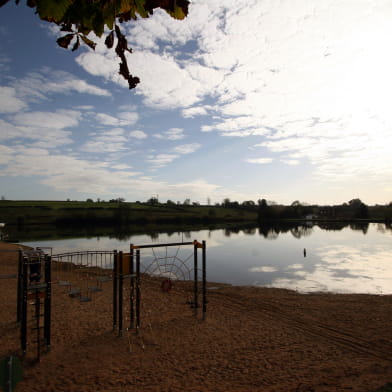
[342, 260]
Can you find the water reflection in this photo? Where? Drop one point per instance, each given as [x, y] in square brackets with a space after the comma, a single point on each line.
[342, 269]
[340, 257]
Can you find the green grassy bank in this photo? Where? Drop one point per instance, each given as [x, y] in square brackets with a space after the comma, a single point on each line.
[22, 213]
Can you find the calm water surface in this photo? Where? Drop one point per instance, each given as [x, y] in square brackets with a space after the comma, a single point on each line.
[346, 260]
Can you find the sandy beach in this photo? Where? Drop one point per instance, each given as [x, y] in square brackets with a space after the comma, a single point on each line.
[253, 339]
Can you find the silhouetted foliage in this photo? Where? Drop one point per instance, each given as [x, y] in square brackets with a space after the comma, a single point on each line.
[78, 18]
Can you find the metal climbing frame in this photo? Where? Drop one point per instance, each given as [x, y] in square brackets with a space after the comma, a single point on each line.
[127, 267]
[34, 289]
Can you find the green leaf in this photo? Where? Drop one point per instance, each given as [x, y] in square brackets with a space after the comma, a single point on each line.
[140, 8]
[52, 10]
[178, 13]
[108, 13]
[98, 23]
[179, 9]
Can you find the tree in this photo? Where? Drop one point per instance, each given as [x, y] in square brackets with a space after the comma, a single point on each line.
[78, 18]
[359, 210]
[226, 202]
[153, 201]
[265, 212]
[248, 203]
[118, 200]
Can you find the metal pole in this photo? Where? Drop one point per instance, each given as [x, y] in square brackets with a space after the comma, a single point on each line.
[23, 327]
[20, 286]
[204, 281]
[120, 293]
[195, 300]
[137, 289]
[37, 306]
[115, 276]
[132, 289]
[48, 300]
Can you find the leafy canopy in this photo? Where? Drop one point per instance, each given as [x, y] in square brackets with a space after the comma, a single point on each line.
[78, 18]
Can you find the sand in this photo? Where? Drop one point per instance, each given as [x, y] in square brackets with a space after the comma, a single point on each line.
[253, 339]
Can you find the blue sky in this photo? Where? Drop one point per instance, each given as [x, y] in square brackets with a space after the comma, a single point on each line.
[283, 100]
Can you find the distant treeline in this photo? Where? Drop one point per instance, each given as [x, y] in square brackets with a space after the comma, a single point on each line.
[121, 213]
[118, 213]
[353, 210]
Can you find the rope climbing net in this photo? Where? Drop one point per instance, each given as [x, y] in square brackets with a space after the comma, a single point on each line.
[170, 265]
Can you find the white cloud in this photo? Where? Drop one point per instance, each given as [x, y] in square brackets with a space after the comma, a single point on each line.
[164, 81]
[261, 161]
[186, 148]
[121, 167]
[291, 162]
[101, 64]
[123, 119]
[194, 111]
[161, 160]
[108, 141]
[238, 126]
[9, 102]
[5, 155]
[57, 120]
[41, 83]
[138, 134]
[43, 129]
[171, 134]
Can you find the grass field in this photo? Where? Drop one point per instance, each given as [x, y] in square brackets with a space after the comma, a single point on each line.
[121, 213]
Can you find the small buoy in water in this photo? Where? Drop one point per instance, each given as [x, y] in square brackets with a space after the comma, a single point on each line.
[304, 252]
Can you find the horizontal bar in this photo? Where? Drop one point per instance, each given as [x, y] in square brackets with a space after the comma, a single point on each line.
[87, 252]
[37, 287]
[11, 276]
[161, 245]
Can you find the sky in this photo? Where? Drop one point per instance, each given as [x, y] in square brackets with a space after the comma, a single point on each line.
[277, 99]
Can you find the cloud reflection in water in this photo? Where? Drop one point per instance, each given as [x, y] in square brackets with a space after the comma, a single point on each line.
[343, 269]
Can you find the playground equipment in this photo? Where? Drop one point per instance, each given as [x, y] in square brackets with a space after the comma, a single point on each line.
[91, 269]
[39, 270]
[170, 267]
[34, 294]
